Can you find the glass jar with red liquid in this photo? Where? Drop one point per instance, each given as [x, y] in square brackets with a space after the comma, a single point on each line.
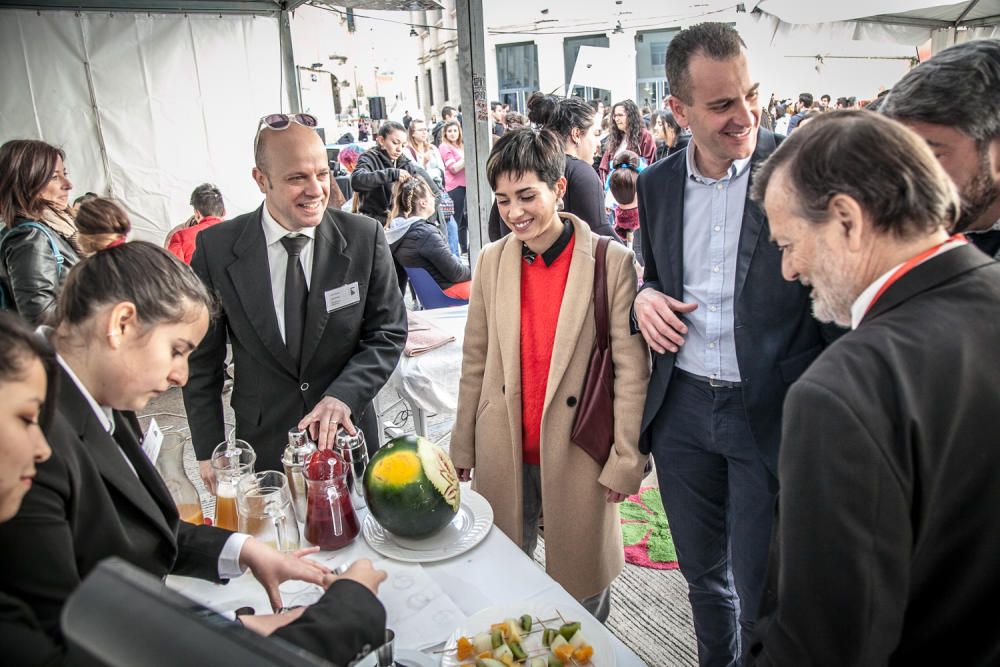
[331, 522]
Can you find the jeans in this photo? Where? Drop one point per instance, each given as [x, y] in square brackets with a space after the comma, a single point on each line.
[453, 236]
[719, 497]
[461, 216]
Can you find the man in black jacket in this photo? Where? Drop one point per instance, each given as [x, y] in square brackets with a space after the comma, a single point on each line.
[887, 545]
[309, 301]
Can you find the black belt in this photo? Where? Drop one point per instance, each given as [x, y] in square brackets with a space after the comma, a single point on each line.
[714, 383]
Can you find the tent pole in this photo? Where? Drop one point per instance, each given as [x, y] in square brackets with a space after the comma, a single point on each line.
[288, 71]
[475, 120]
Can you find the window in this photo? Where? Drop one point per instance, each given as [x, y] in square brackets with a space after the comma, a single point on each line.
[651, 87]
[430, 89]
[416, 87]
[517, 73]
[444, 83]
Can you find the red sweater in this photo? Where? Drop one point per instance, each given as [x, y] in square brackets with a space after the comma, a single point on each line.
[542, 289]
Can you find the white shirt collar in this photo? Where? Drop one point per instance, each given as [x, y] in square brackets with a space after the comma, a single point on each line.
[735, 169]
[104, 414]
[273, 232]
[864, 300]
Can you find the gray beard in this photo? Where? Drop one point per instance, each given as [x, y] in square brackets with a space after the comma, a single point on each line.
[978, 196]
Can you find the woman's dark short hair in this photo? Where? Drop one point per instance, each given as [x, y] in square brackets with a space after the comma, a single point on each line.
[525, 151]
[18, 346]
[162, 287]
[207, 200]
[390, 126]
[902, 186]
[102, 216]
[26, 165]
[560, 114]
[718, 41]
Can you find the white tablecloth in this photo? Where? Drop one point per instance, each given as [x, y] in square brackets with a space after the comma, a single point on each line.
[429, 381]
[493, 573]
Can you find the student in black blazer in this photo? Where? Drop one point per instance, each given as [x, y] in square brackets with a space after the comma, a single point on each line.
[127, 320]
[27, 369]
[347, 335]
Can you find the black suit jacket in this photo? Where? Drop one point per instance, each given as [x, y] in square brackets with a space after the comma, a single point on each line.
[348, 354]
[776, 335]
[887, 543]
[87, 504]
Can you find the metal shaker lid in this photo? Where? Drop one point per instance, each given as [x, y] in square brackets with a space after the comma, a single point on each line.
[345, 440]
[299, 446]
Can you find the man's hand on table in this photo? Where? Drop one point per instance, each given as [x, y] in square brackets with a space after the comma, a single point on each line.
[271, 567]
[323, 421]
[207, 475]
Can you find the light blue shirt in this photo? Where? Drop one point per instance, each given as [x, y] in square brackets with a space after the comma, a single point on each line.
[713, 216]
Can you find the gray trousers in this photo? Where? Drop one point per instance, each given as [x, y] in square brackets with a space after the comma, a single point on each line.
[598, 605]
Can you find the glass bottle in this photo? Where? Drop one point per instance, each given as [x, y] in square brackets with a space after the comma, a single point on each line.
[170, 465]
[300, 446]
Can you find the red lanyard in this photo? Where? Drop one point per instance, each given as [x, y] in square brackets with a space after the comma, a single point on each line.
[910, 263]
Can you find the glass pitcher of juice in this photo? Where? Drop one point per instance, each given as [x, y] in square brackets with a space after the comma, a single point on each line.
[331, 522]
[264, 506]
[231, 461]
[170, 465]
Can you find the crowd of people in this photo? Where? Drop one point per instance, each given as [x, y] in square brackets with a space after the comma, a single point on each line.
[800, 346]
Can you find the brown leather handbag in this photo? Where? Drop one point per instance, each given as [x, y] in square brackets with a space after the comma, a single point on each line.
[594, 423]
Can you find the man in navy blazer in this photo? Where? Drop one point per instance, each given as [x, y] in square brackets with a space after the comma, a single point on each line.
[350, 322]
[729, 336]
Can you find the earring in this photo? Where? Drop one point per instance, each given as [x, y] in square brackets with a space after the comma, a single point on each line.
[559, 204]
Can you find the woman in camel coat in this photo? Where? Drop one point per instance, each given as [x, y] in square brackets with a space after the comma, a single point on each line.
[583, 543]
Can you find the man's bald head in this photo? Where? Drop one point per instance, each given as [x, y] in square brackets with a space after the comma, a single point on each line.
[269, 141]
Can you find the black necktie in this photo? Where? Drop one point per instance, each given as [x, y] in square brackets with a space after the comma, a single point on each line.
[296, 294]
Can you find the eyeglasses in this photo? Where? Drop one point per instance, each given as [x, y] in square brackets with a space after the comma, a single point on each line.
[282, 121]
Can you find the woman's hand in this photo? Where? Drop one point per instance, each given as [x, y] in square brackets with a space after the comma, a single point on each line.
[268, 623]
[613, 496]
[271, 567]
[362, 572]
[404, 176]
[464, 474]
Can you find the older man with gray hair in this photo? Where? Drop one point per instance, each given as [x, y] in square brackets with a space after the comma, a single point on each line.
[953, 102]
[887, 538]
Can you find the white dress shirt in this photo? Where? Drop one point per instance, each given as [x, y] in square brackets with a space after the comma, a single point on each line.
[277, 259]
[864, 300]
[229, 558]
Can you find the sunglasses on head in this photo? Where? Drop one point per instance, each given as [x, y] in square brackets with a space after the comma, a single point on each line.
[281, 121]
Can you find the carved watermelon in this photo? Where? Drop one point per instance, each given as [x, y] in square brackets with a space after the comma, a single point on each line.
[411, 487]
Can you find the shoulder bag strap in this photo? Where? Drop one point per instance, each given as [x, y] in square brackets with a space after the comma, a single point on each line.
[601, 315]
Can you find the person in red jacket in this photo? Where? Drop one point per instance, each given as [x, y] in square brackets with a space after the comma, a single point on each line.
[209, 209]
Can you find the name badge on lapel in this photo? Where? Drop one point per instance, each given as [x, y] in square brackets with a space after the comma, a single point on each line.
[343, 296]
[152, 441]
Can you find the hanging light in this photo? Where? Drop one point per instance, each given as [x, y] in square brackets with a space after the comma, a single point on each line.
[413, 31]
[618, 29]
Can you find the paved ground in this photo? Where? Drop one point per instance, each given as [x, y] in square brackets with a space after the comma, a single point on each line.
[650, 611]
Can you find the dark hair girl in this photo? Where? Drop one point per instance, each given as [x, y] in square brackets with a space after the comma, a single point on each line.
[628, 132]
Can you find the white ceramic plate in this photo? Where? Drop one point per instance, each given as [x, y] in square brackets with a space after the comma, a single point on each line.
[466, 530]
[596, 634]
[404, 657]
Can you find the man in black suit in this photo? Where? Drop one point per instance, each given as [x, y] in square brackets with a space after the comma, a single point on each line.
[309, 301]
[953, 102]
[728, 333]
[887, 540]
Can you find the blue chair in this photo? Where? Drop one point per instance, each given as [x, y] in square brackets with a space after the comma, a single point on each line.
[428, 292]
